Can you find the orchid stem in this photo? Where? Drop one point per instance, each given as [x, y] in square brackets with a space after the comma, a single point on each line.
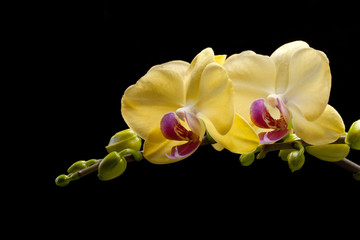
[86, 171]
[344, 163]
[266, 148]
[348, 165]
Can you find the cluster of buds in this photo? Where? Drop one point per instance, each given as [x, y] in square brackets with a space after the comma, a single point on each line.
[122, 144]
[125, 147]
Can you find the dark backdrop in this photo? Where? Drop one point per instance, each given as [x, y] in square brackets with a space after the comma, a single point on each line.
[93, 60]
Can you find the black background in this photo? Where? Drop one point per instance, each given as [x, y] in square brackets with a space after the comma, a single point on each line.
[89, 63]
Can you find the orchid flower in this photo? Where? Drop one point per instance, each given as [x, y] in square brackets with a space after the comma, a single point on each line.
[174, 104]
[288, 91]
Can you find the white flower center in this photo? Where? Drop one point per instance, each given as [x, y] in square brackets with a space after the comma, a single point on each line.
[272, 100]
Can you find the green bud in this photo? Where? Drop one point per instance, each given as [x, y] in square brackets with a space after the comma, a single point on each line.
[73, 176]
[62, 180]
[283, 154]
[77, 166]
[298, 146]
[357, 176]
[124, 139]
[353, 136]
[296, 160]
[291, 137]
[247, 159]
[330, 152]
[136, 154]
[112, 166]
[91, 162]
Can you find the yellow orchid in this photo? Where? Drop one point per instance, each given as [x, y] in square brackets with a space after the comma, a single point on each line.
[175, 103]
[287, 91]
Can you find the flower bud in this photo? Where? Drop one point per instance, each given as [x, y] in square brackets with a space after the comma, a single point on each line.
[296, 160]
[77, 166]
[283, 154]
[357, 176]
[247, 159]
[112, 166]
[330, 152]
[124, 139]
[353, 136]
[137, 155]
[62, 180]
[291, 137]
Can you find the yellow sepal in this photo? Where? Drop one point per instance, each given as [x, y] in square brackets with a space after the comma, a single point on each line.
[240, 139]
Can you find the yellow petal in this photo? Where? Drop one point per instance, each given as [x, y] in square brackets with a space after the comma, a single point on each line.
[330, 153]
[195, 71]
[253, 77]
[281, 58]
[240, 139]
[178, 66]
[220, 59]
[324, 130]
[158, 92]
[309, 82]
[218, 146]
[156, 145]
[215, 98]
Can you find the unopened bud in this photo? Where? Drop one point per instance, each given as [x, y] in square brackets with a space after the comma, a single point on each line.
[357, 176]
[296, 160]
[247, 159]
[112, 166]
[353, 136]
[79, 165]
[283, 154]
[62, 180]
[330, 152]
[124, 139]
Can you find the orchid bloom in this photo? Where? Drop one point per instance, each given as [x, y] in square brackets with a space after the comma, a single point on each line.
[174, 104]
[287, 91]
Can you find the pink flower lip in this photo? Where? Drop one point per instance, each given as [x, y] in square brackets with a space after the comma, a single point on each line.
[172, 129]
[261, 117]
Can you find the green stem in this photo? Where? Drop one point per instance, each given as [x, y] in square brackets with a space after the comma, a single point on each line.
[344, 163]
[86, 171]
[266, 148]
[348, 166]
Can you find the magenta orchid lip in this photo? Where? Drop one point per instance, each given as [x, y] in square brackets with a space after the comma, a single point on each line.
[261, 117]
[172, 129]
